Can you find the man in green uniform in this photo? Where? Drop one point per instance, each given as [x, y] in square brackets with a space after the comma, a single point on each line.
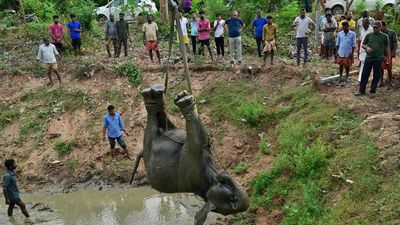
[374, 44]
[122, 34]
[10, 189]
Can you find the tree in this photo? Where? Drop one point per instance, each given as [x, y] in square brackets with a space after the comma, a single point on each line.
[164, 10]
[348, 5]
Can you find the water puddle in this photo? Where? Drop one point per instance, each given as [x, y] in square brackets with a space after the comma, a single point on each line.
[132, 206]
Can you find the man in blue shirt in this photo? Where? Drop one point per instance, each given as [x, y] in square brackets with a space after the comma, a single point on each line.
[75, 30]
[345, 45]
[115, 126]
[193, 33]
[10, 189]
[258, 25]
[235, 26]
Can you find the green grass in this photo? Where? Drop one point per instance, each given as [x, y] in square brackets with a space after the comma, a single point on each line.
[311, 139]
[63, 147]
[113, 96]
[129, 70]
[41, 104]
[241, 168]
[263, 146]
[73, 163]
[8, 114]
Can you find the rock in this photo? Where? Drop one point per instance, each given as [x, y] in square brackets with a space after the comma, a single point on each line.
[202, 101]
[54, 135]
[261, 135]
[396, 117]
[238, 145]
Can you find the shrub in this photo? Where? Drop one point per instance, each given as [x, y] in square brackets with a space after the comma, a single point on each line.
[63, 147]
[240, 168]
[263, 146]
[73, 163]
[130, 70]
[250, 111]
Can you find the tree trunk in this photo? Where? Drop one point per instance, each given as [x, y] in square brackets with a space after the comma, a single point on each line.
[164, 10]
[348, 5]
[21, 5]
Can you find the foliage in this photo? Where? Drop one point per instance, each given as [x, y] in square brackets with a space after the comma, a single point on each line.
[63, 147]
[8, 114]
[73, 163]
[44, 9]
[263, 146]
[129, 70]
[250, 112]
[240, 168]
[311, 147]
[359, 7]
[113, 96]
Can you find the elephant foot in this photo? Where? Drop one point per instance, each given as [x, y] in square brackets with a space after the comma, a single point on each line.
[153, 98]
[187, 105]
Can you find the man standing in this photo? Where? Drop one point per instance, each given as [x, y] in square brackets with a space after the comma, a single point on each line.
[10, 189]
[345, 45]
[111, 36]
[184, 22]
[47, 54]
[269, 38]
[362, 54]
[193, 33]
[365, 15]
[374, 44]
[349, 19]
[235, 27]
[219, 29]
[56, 31]
[204, 27]
[258, 25]
[114, 125]
[151, 38]
[329, 29]
[387, 62]
[75, 30]
[302, 24]
[123, 34]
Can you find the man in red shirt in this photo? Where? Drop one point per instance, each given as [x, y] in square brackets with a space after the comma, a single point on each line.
[56, 31]
[204, 27]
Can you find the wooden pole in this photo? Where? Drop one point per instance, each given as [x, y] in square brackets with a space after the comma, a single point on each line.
[182, 48]
[109, 7]
[171, 39]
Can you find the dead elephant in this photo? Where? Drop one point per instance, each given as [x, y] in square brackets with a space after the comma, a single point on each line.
[176, 161]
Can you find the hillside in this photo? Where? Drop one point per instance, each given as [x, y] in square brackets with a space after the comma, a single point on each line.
[306, 153]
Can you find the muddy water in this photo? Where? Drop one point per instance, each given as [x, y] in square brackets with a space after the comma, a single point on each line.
[132, 206]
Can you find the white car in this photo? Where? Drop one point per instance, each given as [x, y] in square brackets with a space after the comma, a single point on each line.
[338, 6]
[117, 6]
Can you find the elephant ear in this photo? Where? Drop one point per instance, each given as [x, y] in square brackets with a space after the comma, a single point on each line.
[201, 215]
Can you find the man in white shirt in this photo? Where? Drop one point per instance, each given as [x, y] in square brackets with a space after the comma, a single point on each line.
[219, 28]
[184, 22]
[47, 54]
[364, 30]
[365, 15]
[302, 24]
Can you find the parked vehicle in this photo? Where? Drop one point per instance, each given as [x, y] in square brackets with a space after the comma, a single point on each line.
[117, 6]
[338, 6]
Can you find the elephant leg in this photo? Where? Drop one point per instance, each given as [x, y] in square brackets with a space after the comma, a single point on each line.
[197, 138]
[154, 102]
[138, 157]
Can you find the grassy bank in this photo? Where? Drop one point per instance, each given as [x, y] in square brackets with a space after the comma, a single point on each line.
[325, 167]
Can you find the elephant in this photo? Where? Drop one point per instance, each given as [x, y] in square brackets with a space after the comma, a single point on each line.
[178, 162]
